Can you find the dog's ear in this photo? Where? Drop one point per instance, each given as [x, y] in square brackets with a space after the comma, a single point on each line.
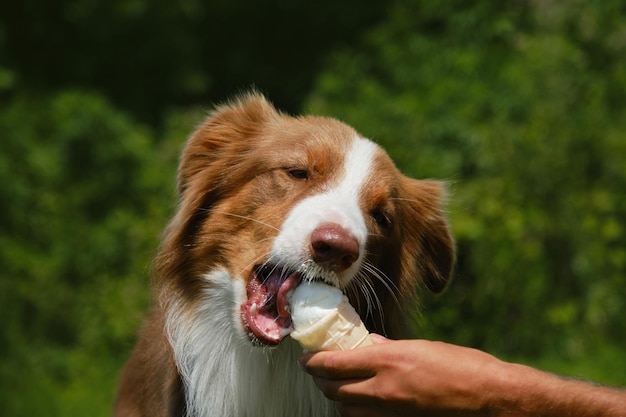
[210, 159]
[214, 154]
[224, 138]
[428, 240]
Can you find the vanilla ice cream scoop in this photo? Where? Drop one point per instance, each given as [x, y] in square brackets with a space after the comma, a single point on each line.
[323, 319]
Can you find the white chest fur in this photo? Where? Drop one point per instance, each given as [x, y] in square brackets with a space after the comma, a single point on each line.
[224, 375]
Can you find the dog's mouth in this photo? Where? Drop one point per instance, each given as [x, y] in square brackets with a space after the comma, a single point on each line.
[266, 315]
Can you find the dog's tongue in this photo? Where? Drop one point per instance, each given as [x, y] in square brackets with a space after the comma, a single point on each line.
[267, 310]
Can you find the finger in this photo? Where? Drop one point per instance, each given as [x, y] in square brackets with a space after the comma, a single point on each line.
[378, 339]
[375, 337]
[353, 391]
[339, 364]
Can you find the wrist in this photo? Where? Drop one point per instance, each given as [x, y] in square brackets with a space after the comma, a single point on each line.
[505, 389]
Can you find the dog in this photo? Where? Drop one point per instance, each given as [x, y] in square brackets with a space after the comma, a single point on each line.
[267, 201]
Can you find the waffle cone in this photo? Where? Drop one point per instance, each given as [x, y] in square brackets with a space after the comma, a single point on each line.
[342, 330]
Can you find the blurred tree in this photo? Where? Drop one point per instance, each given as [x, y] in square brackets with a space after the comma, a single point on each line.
[148, 55]
[86, 203]
[521, 105]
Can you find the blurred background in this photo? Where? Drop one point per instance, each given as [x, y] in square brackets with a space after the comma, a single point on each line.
[520, 105]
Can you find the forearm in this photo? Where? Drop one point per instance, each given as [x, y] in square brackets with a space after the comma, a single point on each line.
[419, 377]
[524, 391]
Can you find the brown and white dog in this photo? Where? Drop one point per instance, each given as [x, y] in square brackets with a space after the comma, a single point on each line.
[266, 201]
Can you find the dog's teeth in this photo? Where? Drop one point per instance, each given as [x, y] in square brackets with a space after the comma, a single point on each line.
[253, 309]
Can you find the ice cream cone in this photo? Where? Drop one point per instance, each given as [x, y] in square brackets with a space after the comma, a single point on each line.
[341, 330]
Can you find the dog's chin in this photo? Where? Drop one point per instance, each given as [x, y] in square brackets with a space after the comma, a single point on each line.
[266, 316]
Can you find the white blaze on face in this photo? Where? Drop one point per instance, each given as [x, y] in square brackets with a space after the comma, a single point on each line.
[338, 204]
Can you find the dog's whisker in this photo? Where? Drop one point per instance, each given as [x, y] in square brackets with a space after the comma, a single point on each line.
[359, 286]
[252, 263]
[350, 290]
[379, 306]
[214, 239]
[270, 238]
[373, 298]
[363, 284]
[252, 219]
[376, 307]
[383, 279]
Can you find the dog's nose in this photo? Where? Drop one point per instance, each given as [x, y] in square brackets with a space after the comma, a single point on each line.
[333, 247]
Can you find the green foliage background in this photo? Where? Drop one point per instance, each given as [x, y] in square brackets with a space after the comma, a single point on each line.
[520, 106]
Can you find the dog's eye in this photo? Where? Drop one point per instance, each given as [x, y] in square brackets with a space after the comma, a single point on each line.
[300, 174]
[380, 218]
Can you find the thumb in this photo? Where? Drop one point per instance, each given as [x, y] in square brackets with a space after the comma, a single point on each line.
[378, 339]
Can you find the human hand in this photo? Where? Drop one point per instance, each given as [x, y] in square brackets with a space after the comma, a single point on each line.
[405, 378]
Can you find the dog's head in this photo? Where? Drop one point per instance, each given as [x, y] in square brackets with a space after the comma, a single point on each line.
[275, 200]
